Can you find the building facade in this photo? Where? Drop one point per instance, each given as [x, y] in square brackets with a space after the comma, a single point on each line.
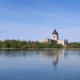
[55, 39]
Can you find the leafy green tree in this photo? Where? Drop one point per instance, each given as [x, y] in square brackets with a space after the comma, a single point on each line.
[24, 47]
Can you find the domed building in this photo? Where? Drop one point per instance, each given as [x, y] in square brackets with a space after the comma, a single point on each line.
[55, 39]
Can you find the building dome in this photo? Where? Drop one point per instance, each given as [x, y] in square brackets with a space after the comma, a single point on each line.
[55, 32]
[66, 41]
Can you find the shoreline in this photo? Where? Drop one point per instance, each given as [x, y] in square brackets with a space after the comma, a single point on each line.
[39, 48]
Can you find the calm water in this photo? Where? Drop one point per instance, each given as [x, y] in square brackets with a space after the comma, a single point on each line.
[40, 65]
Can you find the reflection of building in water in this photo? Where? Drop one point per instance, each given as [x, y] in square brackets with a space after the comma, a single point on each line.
[63, 53]
[55, 57]
[51, 54]
[55, 54]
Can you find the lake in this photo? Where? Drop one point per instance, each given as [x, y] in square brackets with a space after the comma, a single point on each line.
[40, 65]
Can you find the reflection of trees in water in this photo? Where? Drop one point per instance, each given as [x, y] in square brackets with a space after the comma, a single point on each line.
[9, 53]
[74, 51]
[13, 53]
[53, 54]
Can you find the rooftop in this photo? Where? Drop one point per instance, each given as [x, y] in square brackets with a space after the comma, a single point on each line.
[55, 32]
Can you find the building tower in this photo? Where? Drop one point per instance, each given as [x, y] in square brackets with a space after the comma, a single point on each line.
[55, 35]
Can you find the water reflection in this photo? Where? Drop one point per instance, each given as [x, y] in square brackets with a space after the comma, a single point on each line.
[40, 65]
[54, 55]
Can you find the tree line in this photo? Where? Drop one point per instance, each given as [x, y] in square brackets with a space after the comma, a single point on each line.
[27, 44]
[73, 45]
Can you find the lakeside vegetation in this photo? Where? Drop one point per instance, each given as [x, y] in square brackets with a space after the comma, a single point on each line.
[73, 45]
[17, 44]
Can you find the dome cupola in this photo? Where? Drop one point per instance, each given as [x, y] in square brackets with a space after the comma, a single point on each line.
[55, 32]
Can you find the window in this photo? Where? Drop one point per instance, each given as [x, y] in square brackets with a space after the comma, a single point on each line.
[53, 36]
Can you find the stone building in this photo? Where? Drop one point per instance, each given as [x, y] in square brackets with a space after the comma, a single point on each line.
[55, 39]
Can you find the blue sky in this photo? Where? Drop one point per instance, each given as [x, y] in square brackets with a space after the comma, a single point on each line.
[36, 19]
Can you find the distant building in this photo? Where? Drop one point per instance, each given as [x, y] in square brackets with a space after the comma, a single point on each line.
[55, 39]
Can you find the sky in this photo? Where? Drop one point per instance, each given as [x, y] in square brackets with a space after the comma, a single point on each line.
[37, 19]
